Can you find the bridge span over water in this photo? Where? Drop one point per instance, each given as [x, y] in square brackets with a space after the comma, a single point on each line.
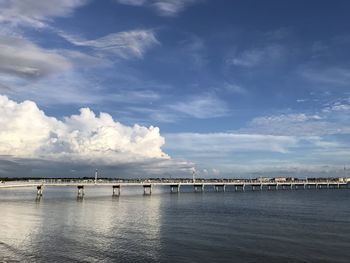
[175, 185]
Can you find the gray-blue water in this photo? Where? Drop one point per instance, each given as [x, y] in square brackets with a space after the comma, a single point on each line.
[268, 226]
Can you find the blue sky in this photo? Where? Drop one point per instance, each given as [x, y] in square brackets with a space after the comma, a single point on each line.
[236, 88]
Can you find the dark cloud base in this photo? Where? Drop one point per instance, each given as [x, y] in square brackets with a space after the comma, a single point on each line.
[39, 168]
[25, 168]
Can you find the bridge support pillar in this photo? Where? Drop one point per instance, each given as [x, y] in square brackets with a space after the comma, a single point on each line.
[256, 187]
[240, 187]
[147, 189]
[116, 190]
[198, 188]
[220, 187]
[271, 187]
[298, 186]
[39, 190]
[175, 188]
[81, 192]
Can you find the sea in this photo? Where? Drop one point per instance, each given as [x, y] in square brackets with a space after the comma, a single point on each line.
[251, 226]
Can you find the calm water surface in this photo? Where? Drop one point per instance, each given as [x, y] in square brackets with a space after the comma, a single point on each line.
[268, 226]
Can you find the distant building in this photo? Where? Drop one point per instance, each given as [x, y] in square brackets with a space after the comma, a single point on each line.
[284, 179]
[264, 179]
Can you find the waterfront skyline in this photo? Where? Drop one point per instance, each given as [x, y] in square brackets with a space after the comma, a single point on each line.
[161, 87]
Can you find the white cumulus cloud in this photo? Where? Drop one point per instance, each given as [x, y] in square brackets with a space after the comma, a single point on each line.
[27, 132]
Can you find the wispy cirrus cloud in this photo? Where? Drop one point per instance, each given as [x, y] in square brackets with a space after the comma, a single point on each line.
[26, 67]
[331, 76]
[49, 75]
[162, 7]
[257, 56]
[36, 12]
[239, 154]
[331, 119]
[22, 58]
[340, 106]
[174, 109]
[74, 88]
[132, 2]
[234, 89]
[126, 44]
[295, 118]
[194, 48]
[298, 124]
[229, 142]
[202, 107]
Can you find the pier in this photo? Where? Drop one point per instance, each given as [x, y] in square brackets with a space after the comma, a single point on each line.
[198, 186]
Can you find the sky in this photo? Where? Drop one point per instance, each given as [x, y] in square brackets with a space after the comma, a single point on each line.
[162, 88]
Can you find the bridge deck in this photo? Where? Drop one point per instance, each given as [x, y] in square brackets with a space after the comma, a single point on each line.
[124, 184]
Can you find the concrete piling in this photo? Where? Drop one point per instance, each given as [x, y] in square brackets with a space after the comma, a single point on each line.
[81, 192]
[40, 189]
[147, 189]
[116, 190]
[175, 188]
[198, 188]
[219, 187]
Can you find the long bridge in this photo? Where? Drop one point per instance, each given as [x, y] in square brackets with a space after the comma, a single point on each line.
[175, 185]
